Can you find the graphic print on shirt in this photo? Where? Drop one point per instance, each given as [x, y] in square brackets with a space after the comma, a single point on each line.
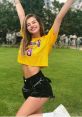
[31, 46]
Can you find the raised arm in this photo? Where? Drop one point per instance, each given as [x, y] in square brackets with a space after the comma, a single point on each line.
[61, 14]
[20, 11]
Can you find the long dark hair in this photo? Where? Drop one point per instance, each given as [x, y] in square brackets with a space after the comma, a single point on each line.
[27, 37]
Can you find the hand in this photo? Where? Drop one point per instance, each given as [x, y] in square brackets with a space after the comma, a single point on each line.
[16, 2]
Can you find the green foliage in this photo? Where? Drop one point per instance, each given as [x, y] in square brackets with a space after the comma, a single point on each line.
[8, 19]
[72, 23]
[56, 6]
[48, 19]
[34, 6]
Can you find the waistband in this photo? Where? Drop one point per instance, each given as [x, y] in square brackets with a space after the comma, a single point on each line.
[39, 74]
[36, 77]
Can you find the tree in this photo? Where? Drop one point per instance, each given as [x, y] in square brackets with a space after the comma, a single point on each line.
[8, 18]
[72, 23]
[33, 6]
[56, 6]
[48, 19]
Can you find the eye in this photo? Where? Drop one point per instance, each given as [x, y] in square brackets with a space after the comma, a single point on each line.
[28, 24]
[34, 22]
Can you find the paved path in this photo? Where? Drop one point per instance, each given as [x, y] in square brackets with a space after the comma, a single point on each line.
[76, 48]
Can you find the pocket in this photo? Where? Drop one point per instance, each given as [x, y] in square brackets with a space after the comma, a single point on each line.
[39, 82]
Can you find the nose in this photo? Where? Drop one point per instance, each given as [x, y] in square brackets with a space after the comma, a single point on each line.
[32, 25]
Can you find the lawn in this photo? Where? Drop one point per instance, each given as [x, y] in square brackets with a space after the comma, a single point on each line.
[65, 71]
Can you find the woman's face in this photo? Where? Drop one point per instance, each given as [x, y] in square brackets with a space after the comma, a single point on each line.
[33, 26]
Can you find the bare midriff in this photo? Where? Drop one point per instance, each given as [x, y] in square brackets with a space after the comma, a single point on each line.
[29, 71]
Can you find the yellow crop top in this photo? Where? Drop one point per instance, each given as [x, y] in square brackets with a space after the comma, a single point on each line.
[38, 50]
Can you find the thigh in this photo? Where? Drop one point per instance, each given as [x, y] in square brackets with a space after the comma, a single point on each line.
[31, 106]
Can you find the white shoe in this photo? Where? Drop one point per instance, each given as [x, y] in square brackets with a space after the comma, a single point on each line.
[51, 114]
[60, 111]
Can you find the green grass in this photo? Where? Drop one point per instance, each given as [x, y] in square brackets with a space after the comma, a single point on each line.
[65, 71]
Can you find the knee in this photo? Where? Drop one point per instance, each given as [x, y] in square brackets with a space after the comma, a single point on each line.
[19, 114]
[36, 115]
[22, 114]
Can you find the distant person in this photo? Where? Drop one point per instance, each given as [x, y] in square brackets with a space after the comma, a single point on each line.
[33, 56]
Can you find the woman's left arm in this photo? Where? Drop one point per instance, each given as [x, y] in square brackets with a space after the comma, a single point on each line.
[61, 14]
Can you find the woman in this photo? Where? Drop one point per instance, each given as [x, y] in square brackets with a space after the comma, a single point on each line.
[33, 55]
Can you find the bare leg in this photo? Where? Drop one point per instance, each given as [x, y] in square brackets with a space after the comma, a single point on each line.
[36, 115]
[31, 106]
[38, 111]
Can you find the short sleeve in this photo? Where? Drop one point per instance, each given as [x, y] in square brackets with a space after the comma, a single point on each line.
[51, 36]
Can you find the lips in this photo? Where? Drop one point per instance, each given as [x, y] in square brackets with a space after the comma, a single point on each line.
[33, 29]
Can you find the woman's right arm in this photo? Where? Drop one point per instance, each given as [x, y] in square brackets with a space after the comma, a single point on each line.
[20, 11]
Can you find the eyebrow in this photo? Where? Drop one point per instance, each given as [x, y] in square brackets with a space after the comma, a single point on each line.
[32, 21]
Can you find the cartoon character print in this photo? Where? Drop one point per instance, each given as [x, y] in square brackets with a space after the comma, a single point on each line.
[31, 46]
[38, 43]
[29, 52]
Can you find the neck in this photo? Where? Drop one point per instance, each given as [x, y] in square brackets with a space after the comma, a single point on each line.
[36, 35]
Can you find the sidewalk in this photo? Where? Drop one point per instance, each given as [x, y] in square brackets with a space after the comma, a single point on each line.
[79, 48]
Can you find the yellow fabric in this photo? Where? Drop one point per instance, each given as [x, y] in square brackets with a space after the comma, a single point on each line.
[38, 50]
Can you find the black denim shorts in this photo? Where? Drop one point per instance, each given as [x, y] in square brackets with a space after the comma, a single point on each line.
[37, 86]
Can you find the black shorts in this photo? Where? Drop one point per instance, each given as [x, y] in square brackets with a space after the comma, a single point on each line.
[37, 86]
